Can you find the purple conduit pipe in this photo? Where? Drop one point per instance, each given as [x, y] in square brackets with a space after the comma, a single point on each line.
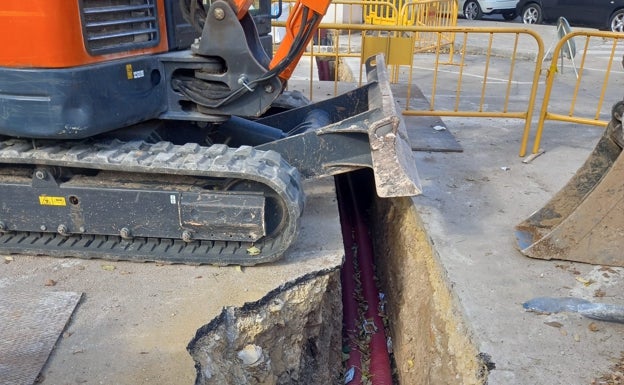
[379, 366]
[350, 322]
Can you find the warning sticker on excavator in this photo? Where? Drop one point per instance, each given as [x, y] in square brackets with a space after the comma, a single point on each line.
[45, 200]
[132, 74]
[129, 71]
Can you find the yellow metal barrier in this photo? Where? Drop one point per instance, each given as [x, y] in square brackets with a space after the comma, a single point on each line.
[431, 13]
[492, 91]
[440, 13]
[382, 12]
[592, 115]
[471, 88]
[397, 46]
[448, 86]
[422, 13]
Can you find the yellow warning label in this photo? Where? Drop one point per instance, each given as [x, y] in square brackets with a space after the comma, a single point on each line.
[129, 72]
[45, 200]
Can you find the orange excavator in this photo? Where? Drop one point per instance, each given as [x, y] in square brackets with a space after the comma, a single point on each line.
[162, 130]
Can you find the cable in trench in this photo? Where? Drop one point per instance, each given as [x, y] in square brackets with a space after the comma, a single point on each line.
[363, 327]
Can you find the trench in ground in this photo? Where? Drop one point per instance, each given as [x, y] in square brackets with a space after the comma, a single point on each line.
[431, 342]
[294, 334]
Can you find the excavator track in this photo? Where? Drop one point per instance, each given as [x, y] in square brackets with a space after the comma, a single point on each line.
[244, 165]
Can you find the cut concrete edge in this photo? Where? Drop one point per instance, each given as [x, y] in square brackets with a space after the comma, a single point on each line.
[432, 307]
[252, 307]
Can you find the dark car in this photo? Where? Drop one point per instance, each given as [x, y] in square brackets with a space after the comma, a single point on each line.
[601, 14]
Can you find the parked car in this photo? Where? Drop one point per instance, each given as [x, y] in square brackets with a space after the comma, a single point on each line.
[475, 9]
[601, 14]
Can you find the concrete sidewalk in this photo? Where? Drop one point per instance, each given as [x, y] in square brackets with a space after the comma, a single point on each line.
[471, 203]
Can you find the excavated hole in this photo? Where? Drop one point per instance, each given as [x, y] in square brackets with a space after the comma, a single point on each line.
[290, 336]
[294, 334]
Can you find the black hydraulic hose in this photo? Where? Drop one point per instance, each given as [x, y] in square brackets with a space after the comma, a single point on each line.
[248, 132]
[240, 131]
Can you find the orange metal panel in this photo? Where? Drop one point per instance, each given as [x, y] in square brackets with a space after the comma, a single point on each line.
[48, 34]
[294, 24]
[241, 7]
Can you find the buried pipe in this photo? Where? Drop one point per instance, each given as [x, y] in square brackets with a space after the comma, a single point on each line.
[379, 366]
[353, 369]
[379, 363]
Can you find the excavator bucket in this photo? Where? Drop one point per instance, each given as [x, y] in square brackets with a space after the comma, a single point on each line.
[584, 222]
[363, 129]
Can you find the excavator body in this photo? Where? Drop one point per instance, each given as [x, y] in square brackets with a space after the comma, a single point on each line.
[160, 130]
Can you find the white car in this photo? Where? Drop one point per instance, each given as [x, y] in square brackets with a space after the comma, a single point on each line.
[475, 9]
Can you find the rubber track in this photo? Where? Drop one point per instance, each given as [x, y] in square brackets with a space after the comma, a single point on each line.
[266, 167]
